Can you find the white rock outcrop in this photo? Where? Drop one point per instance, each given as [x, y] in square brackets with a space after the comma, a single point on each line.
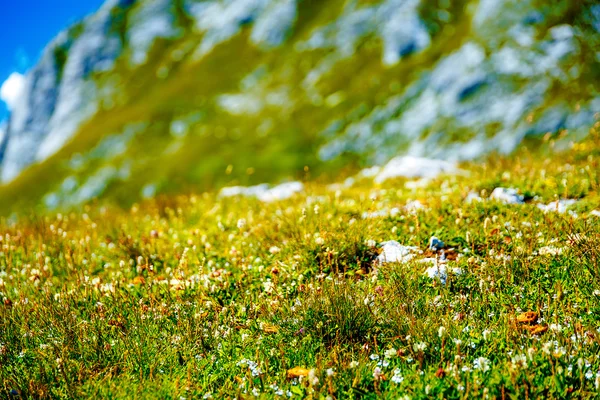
[507, 196]
[263, 192]
[414, 167]
[394, 252]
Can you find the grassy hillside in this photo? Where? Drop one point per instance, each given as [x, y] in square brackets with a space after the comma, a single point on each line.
[126, 273]
[246, 115]
[198, 296]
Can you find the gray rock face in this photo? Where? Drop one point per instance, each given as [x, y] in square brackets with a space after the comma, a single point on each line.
[219, 21]
[497, 79]
[94, 50]
[395, 22]
[274, 24]
[3, 129]
[27, 126]
[59, 95]
[402, 31]
[148, 21]
[475, 95]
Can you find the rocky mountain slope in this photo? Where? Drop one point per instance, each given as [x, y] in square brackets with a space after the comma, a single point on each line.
[154, 96]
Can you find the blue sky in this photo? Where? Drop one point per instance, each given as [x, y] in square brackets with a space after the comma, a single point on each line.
[26, 26]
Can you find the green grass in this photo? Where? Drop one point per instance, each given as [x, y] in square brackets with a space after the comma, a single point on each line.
[181, 296]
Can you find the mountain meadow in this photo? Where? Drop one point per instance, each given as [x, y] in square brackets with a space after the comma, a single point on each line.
[321, 199]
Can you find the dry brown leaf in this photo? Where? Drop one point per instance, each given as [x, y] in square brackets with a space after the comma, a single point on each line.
[527, 317]
[535, 329]
[139, 280]
[297, 372]
[538, 330]
[528, 327]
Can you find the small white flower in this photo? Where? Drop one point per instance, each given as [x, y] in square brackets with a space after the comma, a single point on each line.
[371, 243]
[397, 377]
[421, 346]
[354, 364]
[390, 353]
[520, 360]
[312, 377]
[555, 327]
[441, 331]
[330, 372]
[486, 334]
[550, 250]
[482, 364]
[274, 250]
[377, 373]
[547, 347]
[268, 286]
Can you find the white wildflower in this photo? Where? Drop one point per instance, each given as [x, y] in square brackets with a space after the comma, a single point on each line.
[397, 377]
[482, 364]
[377, 373]
[390, 353]
[312, 377]
[274, 250]
[441, 331]
[421, 346]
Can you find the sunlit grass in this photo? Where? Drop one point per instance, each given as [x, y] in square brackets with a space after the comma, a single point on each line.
[196, 295]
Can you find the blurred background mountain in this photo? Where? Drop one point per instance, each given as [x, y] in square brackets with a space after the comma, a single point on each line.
[160, 96]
